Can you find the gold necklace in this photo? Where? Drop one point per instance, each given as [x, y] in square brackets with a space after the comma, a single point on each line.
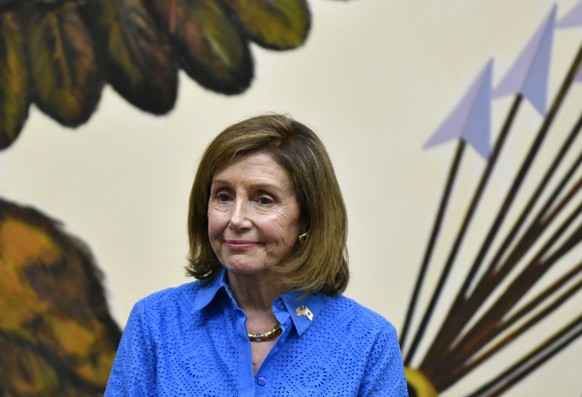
[267, 335]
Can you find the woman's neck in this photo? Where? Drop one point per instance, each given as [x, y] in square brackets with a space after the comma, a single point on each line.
[255, 294]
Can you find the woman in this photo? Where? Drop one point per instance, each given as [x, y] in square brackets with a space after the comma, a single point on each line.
[267, 228]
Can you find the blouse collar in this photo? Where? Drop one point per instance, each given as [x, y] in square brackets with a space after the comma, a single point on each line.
[302, 308]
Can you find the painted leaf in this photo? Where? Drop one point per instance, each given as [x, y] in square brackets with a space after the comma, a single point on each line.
[67, 81]
[14, 82]
[274, 24]
[49, 2]
[138, 59]
[209, 46]
[57, 337]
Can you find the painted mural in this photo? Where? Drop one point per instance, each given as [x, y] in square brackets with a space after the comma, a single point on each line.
[58, 55]
[492, 307]
[57, 335]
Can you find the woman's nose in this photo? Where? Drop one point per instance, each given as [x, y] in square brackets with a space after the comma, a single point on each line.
[239, 217]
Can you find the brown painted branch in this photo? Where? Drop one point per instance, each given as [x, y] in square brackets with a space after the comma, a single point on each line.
[430, 247]
[484, 330]
[560, 155]
[554, 212]
[494, 277]
[542, 297]
[534, 149]
[531, 361]
[529, 238]
[461, 371]
[462, 309]
[477, 195]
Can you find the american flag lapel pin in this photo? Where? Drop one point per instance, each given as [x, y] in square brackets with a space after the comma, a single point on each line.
[304, 311]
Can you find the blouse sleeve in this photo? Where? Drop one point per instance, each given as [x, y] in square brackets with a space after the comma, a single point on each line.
[384, 371]
[133, 372]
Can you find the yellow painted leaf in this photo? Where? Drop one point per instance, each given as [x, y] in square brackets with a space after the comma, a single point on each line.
[209, 45]
[31, 374]
[14, 82]
[54, 312]
[277, 24]
[67, 81]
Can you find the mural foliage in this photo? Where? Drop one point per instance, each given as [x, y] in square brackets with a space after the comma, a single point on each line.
[57, 337]
[59, 54]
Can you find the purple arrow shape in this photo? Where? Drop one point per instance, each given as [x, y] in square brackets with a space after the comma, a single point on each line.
[529, 74]
[471, 118]
[573, 18]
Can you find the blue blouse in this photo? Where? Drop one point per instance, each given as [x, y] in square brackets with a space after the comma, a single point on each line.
[192, 341]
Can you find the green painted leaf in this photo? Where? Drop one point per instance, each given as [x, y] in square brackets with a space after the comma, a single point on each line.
[67, 81]
[276, 24]
[137, 55]
[14, 82]
[5, 2]
[210, 47]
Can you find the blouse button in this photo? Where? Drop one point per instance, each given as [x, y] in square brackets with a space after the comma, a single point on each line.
[280, 305]
[261, 381]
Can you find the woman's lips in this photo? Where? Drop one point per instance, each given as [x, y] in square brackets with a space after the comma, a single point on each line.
[240, 244]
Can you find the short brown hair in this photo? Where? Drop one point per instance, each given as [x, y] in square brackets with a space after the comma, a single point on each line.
[320, 263]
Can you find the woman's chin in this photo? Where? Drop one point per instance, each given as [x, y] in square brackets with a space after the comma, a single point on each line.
[247, 269]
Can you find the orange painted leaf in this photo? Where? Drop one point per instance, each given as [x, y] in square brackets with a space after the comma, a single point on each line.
[67, 81]
[57, 336]
[14, 82]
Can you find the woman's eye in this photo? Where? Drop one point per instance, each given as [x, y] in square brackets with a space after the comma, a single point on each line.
[222, 197]
[265, 200]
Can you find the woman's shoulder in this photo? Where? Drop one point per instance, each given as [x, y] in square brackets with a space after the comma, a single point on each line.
[344, 310]
[180, 296]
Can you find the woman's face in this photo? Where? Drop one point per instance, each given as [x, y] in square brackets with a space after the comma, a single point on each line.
[253, 214]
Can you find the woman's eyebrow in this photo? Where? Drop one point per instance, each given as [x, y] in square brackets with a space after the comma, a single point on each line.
[258, 185]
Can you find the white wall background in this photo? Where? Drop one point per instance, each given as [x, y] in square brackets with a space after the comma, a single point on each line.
[375, 79]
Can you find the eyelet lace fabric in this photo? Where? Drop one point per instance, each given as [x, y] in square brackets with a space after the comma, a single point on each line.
[172, 347]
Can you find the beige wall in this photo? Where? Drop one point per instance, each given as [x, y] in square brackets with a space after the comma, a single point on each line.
[375, 79]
